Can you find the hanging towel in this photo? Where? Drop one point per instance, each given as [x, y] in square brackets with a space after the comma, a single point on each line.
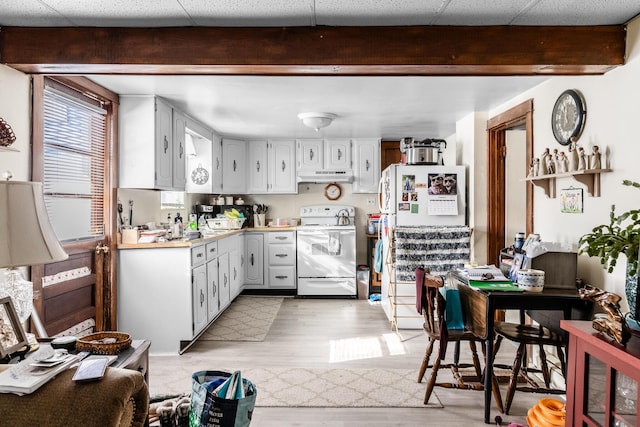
[419, 289]
[333, 248]
[377, 257]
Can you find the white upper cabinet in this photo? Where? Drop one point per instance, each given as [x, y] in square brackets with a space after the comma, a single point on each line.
[310, 154]
[271, 167]
[216, 165]
[323, 155]
[234, 167]
[366, 165]
[150, 156]
[282, 170]
[337, 154]
[179, 164]
[257, 167]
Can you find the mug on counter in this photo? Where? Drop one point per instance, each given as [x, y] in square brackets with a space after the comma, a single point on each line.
[228, 200]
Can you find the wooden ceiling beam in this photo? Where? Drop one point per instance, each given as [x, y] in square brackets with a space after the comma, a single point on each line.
[413, 50]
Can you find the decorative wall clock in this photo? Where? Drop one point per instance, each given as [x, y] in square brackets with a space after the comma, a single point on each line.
[332, 191]
[568, 116]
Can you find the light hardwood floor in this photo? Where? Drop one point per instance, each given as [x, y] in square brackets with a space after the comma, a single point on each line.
[301, 336]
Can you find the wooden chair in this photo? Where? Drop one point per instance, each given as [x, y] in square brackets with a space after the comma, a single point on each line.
[525, 335]
[431, 303]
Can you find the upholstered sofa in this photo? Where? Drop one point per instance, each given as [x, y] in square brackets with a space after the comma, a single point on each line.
[121, 398]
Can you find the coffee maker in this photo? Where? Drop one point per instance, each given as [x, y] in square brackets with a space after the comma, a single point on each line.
[204, 210]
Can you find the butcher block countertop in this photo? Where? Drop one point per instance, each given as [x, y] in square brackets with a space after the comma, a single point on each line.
[194, 242]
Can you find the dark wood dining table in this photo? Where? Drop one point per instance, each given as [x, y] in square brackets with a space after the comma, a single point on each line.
[480, 307]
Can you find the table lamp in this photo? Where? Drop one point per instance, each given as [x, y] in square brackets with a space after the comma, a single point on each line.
[26, 238]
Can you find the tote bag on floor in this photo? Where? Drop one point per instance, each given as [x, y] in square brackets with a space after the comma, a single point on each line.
[208, 410]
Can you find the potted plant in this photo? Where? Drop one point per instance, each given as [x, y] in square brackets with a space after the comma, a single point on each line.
[620, 236]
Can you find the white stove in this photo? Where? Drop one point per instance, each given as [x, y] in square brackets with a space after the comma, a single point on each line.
[326, 251]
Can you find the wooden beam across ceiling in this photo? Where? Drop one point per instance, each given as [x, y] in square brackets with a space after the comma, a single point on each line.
[412, 50]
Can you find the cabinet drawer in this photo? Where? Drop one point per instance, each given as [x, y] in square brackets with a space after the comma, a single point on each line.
[282, 277]
[282, 255]
[212, 250]
[198, 255]
[281, 237]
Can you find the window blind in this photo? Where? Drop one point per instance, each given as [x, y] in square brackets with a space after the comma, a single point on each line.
[74, 154]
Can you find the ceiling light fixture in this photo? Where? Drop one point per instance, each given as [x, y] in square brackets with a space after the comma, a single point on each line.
[316, 120]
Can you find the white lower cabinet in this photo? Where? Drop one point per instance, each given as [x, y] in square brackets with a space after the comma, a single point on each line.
[280, 255]
[181, 294]
[254, 261]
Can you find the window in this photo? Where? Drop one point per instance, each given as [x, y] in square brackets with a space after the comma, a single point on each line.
[73, 163]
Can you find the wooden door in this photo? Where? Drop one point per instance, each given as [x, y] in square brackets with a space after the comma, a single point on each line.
[83, 287]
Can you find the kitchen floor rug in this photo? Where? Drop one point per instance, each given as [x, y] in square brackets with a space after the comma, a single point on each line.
[248, 318]
[338, 388]
[329, 387]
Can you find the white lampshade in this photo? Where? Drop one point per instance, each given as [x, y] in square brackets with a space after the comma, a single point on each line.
[316, 120]
[26, 236]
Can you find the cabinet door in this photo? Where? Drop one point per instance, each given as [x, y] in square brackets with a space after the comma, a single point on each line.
[164, 145]
[199, 294]
[254, 262]
[367, 165]
[179, 151]
[309, 153]
[282, 172]
[235, 273]
[224, 281]
[213, 305]
[257, 167]
[216, 162]
[234, 166]
[337, 154]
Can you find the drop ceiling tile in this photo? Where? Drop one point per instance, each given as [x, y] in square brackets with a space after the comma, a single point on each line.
[473, 12]
[121, 13]
[376, 12]
[250, 13]
[30, 13]
[580, 12]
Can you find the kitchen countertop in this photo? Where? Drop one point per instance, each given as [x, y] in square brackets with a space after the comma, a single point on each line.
[193, 242]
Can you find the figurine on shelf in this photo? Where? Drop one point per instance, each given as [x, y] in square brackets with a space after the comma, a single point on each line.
[594, 162]
[563, 163]
[556, 160]
[612, 323]
[551, 165]
[544, 162]
[582, 161]
[536, 166]
[573, 155]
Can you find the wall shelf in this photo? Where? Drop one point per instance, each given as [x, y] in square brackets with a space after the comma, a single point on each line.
[2, 148]
[589, 177]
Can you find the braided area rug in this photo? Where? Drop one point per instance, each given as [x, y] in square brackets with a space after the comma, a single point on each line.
[248, 318]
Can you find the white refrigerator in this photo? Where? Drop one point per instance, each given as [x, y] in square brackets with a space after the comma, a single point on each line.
[415, 196]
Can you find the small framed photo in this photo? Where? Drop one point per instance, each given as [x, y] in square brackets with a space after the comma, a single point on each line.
[12, 335]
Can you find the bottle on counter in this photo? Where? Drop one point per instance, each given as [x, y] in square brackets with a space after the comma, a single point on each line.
[177, 227]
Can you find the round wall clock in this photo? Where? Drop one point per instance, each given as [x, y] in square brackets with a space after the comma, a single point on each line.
[332, 191]
[568, 116]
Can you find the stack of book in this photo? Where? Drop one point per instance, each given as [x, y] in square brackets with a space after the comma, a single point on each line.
[35, 371]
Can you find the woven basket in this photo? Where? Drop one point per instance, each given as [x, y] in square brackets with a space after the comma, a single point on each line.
[92, 343]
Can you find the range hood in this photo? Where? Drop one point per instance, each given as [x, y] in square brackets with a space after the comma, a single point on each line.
[321, 176]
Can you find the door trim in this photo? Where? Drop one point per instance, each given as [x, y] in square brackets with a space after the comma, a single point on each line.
[497, 126]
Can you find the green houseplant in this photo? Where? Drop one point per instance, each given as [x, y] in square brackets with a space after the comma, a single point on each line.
[620, 236]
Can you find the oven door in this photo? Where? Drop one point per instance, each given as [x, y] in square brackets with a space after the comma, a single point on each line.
[326, 252]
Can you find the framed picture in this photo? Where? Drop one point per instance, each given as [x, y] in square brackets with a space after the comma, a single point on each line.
[12, 335]
[571, 199]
